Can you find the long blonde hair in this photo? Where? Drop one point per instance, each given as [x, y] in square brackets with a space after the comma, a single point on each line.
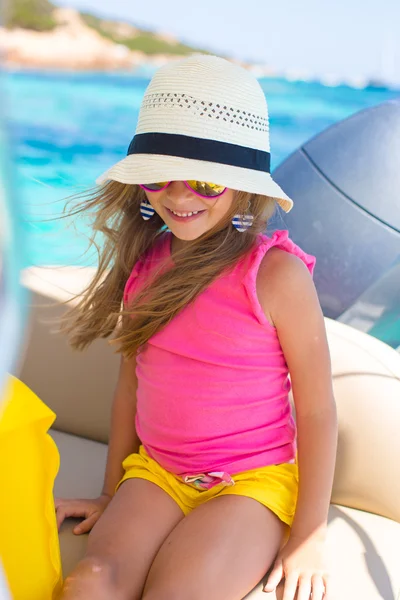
[127, 237]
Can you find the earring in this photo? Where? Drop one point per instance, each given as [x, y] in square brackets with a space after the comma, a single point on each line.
[146, 210]
[243, 222]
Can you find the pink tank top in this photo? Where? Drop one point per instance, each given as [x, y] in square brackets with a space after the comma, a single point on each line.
[213, 384]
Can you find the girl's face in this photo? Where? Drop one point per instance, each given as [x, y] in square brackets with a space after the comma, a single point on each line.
[177, 198]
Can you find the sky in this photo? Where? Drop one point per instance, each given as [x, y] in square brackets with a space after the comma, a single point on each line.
[324, 38]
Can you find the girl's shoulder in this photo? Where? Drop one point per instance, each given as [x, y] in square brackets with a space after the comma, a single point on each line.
[273, 261]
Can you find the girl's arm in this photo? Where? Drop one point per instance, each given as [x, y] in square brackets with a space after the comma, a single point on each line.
[123, 437]
[287, 294]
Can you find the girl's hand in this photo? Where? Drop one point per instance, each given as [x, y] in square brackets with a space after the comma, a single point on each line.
[302, 563]
[90, 510]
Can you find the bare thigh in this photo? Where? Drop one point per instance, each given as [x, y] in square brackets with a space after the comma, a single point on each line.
[124, 542]
[220, 550]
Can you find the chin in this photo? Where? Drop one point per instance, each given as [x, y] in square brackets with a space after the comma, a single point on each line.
[186, 236]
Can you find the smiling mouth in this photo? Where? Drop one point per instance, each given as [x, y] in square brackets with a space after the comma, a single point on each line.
[185, 215]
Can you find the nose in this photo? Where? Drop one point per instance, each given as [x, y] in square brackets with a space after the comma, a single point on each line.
[178, 193]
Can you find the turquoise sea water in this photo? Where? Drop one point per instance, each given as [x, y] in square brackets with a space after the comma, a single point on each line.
[65, 129]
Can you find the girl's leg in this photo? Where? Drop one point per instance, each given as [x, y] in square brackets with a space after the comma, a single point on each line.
[220, 550]
[123, 543]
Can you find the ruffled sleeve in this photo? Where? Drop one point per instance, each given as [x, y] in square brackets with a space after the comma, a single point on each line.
[280, 239]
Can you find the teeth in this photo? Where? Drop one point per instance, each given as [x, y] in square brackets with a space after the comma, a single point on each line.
[189, 214]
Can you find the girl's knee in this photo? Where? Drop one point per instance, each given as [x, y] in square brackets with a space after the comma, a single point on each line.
[95, 578]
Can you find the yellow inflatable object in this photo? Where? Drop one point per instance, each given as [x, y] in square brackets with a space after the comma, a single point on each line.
[29, 462]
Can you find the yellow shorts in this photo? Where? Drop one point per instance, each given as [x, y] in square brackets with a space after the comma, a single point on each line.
[274, 486]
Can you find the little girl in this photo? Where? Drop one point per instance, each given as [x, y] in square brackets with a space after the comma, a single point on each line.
[209, 483]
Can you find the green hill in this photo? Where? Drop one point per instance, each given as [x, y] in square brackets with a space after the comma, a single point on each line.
[136, 39]
[29, 14]
[38, 15]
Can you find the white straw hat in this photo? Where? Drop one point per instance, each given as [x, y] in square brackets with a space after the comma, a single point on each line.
[202, 118]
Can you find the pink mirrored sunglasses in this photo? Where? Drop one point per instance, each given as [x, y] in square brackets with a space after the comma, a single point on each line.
[204, 189]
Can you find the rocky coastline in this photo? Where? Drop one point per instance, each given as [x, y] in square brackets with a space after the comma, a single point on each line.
[72, 45]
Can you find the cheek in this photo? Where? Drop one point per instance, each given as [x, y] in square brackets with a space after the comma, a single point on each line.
[154, 200]
[225, 204]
